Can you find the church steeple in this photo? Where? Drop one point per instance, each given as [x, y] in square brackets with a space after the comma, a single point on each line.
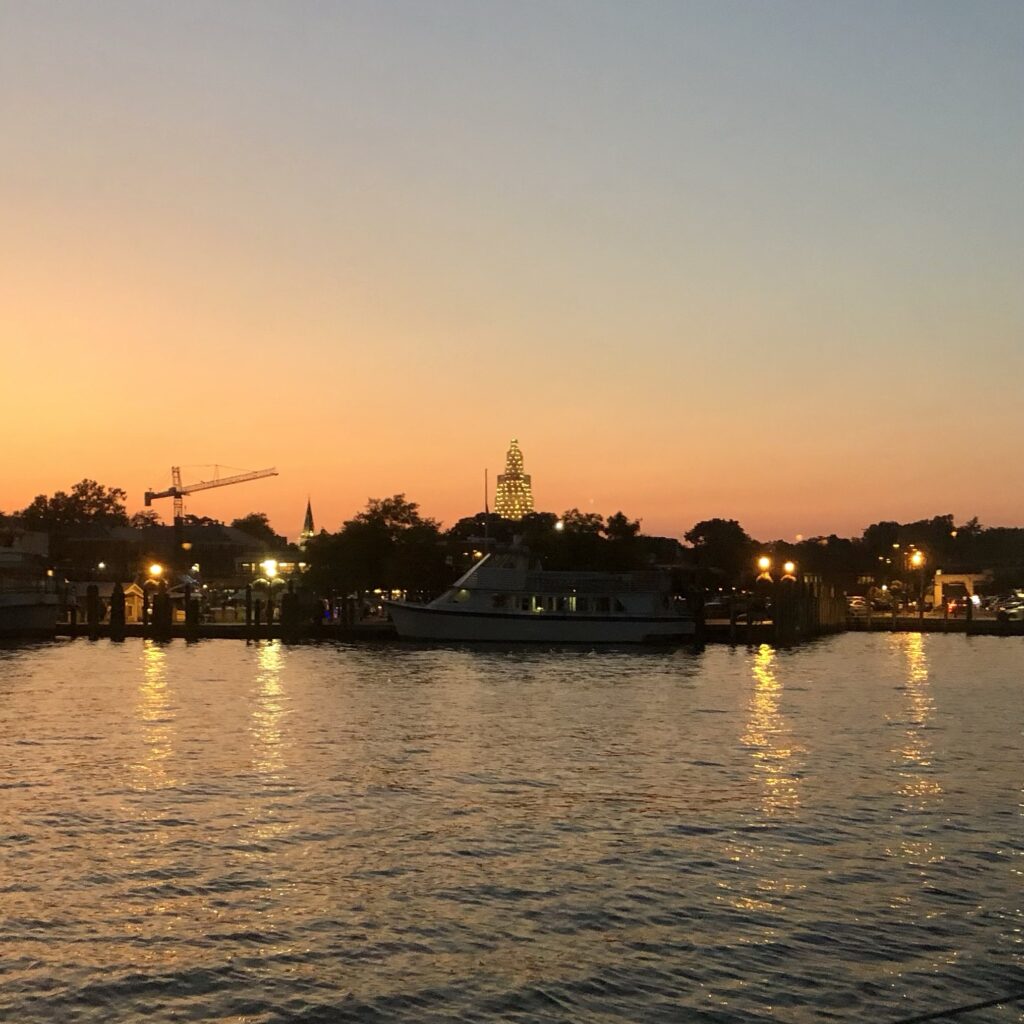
[514, 499]
[308, 530]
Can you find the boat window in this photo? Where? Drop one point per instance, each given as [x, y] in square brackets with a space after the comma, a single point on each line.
[619, 606]
[561, 604]
[460, 595]
[538, 603]
[583, 604]
[603, 604]
[525, 604]
[499, 601]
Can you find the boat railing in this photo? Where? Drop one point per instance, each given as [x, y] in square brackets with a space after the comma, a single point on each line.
[512, 580]
[12, 584]
[595, 583]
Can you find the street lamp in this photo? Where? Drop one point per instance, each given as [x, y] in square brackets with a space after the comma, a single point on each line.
[156, 570]
[269, 577]
[917, 561]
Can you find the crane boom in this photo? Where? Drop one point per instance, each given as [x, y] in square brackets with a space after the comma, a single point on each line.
[179, 490]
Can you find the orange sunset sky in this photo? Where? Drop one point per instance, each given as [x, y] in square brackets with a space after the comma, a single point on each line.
[761, 261]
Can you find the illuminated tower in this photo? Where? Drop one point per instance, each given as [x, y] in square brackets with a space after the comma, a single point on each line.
[307, 526]
[514, 498]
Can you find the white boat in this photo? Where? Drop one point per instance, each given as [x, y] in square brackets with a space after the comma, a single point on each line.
[503, 599]
[29, 602]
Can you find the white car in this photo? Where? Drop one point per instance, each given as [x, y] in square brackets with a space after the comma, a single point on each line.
[1011, 612]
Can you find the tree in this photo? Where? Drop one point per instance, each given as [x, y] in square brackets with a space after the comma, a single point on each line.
[146, 517]
[621, 528]
[622, 550]
[721, 544]
[388, 545]
[392, 515]
[575, 521]
[192, 520]
[257, 525]
[88, 503]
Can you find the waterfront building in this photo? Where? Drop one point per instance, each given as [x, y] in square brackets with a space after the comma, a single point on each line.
[514, 498]
[308, 530]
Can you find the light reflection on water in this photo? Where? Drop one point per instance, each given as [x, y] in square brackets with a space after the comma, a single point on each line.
[251, 831]
[920, 784]
[269, 708]
[156, 718]
[770, 739]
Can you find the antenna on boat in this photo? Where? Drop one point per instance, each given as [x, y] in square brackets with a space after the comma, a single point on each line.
[487, 509]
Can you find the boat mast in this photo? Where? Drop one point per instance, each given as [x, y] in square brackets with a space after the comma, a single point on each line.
[487, 510]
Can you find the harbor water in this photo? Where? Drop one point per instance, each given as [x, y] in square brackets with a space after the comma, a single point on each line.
[228, 831]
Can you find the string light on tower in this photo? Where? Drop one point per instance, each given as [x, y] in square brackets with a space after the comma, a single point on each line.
[514, 499]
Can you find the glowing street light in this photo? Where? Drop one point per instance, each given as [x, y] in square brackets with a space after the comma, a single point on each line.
[156, 570]
[789, 568]
[269, 567]
[764, 563]
[559, 525]
[917, 559]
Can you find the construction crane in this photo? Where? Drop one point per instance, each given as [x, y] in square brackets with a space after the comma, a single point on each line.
[177, 491]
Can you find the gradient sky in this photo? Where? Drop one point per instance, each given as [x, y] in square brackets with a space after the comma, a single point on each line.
[756, 260]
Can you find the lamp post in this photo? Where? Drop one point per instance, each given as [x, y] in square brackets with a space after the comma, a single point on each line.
[917, 561]
[782, 591]
[269, 577]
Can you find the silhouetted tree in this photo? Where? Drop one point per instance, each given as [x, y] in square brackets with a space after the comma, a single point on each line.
[722, 545]
[388, 545]
[257, 525]
[190, 520]
[87, 503]
[143, 518]
[620, 527]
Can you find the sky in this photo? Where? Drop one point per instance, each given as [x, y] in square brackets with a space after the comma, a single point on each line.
[754, 260]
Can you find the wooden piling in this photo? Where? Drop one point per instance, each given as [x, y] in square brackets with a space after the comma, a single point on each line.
[117, 616]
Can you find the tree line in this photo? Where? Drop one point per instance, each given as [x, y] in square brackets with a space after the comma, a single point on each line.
[390, 544]
[89, 503]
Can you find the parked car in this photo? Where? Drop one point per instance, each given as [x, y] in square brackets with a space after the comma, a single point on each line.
[1011, 612]
[856, 606]
[717, 607]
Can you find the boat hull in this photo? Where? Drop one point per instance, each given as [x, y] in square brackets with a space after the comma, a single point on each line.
[422, 622]
[28, 615]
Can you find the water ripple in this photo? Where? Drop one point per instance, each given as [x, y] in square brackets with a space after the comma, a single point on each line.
[250, 832]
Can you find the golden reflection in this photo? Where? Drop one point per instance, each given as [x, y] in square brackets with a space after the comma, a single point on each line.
[269, 709]
[914, 753]
[914, 749]
[156, 716]
[768, 738]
